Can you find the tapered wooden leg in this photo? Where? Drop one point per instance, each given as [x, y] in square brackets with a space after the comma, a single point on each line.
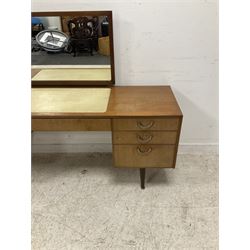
[142, 177]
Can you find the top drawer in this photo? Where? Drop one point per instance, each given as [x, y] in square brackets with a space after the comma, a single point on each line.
[146, 124]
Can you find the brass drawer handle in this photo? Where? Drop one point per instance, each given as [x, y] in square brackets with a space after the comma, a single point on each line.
[144, 138]
[145, 126]
[140, 151]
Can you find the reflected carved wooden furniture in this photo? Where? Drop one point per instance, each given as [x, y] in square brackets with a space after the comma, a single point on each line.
[145, 123]
[83, 34]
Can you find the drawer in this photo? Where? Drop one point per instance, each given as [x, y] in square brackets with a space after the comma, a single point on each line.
[141, 156]
[146, 124]
[71, 124]
[144, 137]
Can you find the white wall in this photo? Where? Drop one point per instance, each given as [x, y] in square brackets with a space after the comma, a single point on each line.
[171, 42]
[51, 21]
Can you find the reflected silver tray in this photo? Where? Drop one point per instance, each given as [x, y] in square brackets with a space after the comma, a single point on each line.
[52, 40]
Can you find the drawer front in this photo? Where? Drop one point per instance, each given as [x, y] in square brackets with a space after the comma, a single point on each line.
[144, 156]
[146, 124]
[71, 124]
[144, 137]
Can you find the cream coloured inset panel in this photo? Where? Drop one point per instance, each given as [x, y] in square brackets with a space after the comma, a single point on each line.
[73, 74]
[67, 100]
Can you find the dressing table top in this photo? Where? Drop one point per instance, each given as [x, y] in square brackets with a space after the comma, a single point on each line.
[127, 101]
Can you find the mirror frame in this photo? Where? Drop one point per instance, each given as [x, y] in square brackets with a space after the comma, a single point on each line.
[67, 83]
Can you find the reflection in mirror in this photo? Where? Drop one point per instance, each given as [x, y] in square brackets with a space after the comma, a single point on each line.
[70, 48]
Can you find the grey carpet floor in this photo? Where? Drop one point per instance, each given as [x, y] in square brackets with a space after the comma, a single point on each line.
[79, 201]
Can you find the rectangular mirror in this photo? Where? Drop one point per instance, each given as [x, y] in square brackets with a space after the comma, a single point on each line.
[72, 48]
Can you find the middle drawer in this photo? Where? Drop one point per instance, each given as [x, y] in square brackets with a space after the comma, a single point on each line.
[144, 137]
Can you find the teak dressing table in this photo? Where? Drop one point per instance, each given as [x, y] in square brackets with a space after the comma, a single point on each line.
[145, 121]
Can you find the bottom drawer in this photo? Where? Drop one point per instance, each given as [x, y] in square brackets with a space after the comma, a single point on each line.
[144, 156]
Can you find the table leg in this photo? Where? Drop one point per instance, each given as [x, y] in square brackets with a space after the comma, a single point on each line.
[142, 177]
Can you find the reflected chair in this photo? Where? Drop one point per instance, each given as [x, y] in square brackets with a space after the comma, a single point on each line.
[83, 34]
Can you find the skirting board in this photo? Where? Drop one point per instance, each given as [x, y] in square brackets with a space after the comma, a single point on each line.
[62, 142]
